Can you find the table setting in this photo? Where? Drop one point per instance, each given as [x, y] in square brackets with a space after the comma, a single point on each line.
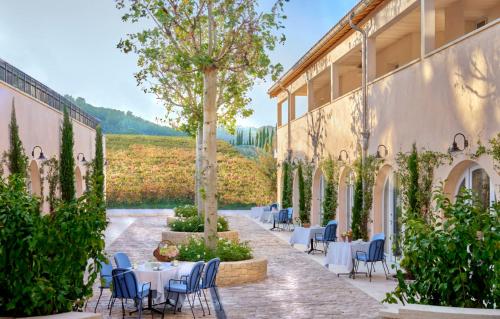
[305, 236]
[343, 253]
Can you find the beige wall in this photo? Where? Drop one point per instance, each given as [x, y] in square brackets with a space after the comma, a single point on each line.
[454, 89]
[40, 125]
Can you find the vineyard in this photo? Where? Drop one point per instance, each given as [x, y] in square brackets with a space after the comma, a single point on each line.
[158, 171]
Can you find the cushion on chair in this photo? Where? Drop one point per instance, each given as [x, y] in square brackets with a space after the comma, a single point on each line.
[319, 237]
[178, 287]
[361, 257]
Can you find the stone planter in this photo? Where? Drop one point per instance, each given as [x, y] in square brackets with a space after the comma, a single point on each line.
[412, 311]
[171, 219]
[233, 273]
[68, 315]
[177, 237]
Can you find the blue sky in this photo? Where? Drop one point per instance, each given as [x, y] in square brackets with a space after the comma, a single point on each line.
[70, 45]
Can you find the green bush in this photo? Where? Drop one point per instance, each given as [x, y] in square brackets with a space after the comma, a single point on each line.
[43, 258]
[226, 250]
[186, 211]
[195, 224]
[455, 261]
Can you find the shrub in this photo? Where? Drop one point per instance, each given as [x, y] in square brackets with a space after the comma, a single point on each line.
[226, 250]
[195, 224]
[331, 171]
[186, 211]
[44, 258]
[455, 261]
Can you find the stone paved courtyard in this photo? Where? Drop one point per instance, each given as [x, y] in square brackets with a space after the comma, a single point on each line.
[296, 287]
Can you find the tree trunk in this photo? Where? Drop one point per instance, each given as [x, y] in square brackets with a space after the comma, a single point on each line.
[198, 170]
[209, 193]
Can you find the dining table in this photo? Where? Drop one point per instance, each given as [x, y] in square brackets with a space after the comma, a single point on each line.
[305, 236]
[159, 275]
[343, 253]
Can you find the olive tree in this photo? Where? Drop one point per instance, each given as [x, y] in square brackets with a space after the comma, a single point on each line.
[212, 38]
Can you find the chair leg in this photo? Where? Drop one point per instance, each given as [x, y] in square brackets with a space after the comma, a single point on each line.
[384, 265]
[98, 299]
[123, 310]
[140, 308]
[112, 304]
[370, 272]
[201, 303]
[206, 301]
[217, 295]
[190, 305]
[109, 302]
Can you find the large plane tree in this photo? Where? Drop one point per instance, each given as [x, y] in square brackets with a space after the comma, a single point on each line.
[212, 39]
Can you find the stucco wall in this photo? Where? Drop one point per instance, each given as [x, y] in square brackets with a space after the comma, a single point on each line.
[454, 89]
[41, 125]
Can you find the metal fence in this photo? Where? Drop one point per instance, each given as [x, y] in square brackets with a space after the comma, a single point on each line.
[20, 80]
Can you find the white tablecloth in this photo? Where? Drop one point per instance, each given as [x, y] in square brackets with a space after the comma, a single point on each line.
[266, 216]
[343, 253]
[255, 212]
[160, 278]
[303, 235]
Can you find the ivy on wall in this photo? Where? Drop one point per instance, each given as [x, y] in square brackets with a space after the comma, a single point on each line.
[330, 169]
[493, 151]
[51, 168]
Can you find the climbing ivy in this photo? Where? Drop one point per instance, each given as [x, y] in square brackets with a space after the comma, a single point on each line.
[51, 167]
[493, 151]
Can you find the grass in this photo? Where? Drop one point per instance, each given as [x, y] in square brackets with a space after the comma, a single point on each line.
[158, 172]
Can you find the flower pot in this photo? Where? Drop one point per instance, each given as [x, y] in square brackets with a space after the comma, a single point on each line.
[306, 225]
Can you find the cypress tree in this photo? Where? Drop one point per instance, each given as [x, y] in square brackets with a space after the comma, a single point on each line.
[413, 187]
[358, 231]
[286, 197]
[17, 159]
[331, 195]
[67, 161]
[99, 164]
[303, 214]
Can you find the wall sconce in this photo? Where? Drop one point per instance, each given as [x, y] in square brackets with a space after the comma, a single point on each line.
[346, 156]
[454, 146]
[41, 156]
[379, 155]
[83, 158]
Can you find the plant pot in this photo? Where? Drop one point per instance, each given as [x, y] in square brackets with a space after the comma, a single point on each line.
[306, 225]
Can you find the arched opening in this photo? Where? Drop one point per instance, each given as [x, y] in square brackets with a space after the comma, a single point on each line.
[78, 182]
[346, 199]
[35, 184]
[318, 196]
[470, 175]
[295, 194]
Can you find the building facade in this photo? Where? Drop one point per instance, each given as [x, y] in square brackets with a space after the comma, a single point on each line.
[433, 70]
[39, 113]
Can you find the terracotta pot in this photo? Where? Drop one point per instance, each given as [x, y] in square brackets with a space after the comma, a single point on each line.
[306, 225]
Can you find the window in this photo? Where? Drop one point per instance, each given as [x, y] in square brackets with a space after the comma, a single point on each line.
[476, 179]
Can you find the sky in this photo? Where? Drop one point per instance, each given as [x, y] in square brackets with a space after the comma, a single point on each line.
[70, 45]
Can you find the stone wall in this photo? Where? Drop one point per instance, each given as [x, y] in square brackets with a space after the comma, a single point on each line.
[241, 272]
[177, 237]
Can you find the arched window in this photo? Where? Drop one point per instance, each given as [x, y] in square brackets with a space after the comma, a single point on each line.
[476, 179]
[349, 198]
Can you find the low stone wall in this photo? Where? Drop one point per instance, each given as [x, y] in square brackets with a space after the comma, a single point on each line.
[241, 272]
[67, 315]
[177, 237]
[171, 219]
[413, 311]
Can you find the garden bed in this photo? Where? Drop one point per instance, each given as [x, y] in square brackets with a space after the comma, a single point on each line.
[178, 237]
[233, 273]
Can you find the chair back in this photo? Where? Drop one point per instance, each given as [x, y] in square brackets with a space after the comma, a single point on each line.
[273, 206]
[332, 222]
[290, 213]
[378, 236]
[283, 216]
[106, 274]
[376, 250]
[330, 233]
[211, 270]
[122, 260]
[124, 283]
[193, 281]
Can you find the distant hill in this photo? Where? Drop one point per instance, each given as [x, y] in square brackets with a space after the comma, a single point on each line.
[119, 122]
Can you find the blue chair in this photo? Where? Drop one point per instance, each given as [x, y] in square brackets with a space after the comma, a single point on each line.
[275, 206]
[187, 285]
[106, 276]
[378, 236]
[209, 278]
[282, 218]
[332, 222]
[289, 217]
[122, 260]
[375, 254]
[329, 235]
[125, 286]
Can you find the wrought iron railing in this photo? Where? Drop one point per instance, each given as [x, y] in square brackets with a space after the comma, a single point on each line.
[20, 80]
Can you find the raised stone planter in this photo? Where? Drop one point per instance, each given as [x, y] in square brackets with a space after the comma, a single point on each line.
[412, 311]
[233, 273]
[171, 219]
[68, 315]
[177, 237]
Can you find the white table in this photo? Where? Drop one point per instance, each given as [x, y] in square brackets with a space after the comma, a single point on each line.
[256, 212]
[160, 278]
[305, 236]
[266, 216]
[344, 253]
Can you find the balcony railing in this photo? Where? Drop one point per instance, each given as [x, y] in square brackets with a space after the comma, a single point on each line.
[20, 80]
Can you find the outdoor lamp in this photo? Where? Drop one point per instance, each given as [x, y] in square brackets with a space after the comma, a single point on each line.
[83, 158]
[379, 155]
[454, 146]
[41, 156]
[346, 155]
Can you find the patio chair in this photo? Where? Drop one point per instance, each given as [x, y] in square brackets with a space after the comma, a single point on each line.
[208, 280]
[333, 221]
[329, 235]
[289, 219]
[378, 236]
[282, 219]
[122, 260]
[188, 286]
[106, 277]
[375, 254]
[125, 286]
[273, 206]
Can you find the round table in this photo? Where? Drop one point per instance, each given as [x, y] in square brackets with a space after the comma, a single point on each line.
[158, 278]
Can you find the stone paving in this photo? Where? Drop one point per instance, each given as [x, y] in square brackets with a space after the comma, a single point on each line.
[296, 287]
